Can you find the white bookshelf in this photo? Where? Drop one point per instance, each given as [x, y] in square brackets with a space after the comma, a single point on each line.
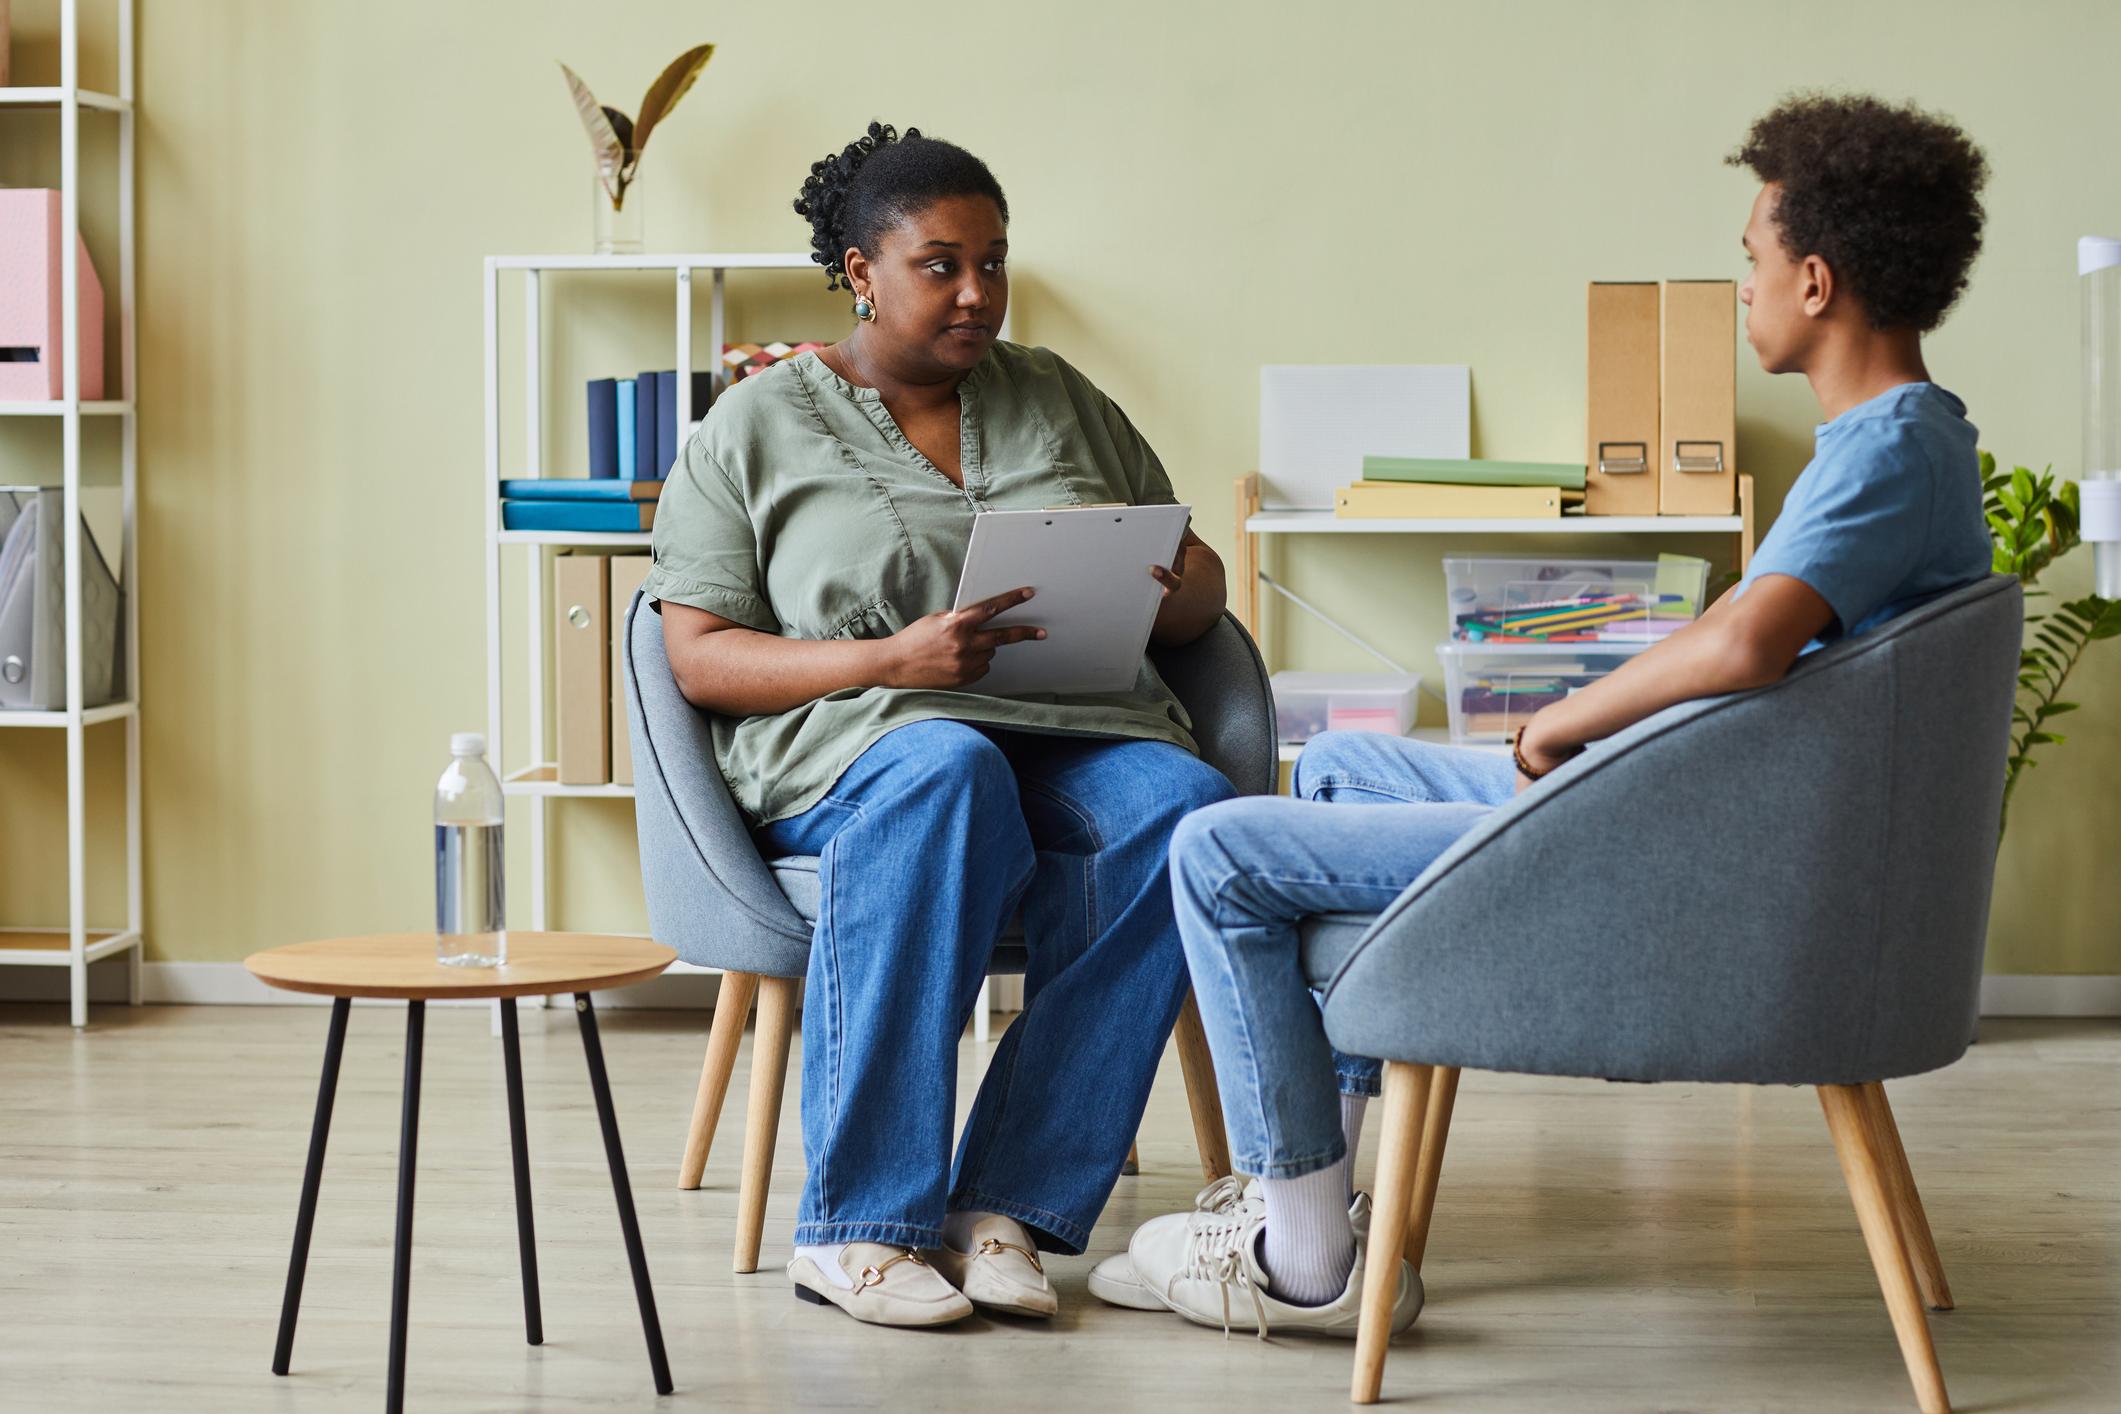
[75, 943]
[1253, 524]
[525, 770]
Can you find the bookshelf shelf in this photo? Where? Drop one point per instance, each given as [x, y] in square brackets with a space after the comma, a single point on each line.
[90, 716]
[18, 96]
[543, 780]
[1440, 736]
[1254, 524]
[637, 538]
[74, 944]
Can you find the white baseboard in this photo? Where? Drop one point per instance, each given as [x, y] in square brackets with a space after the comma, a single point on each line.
[2027, 994]
[230, 984]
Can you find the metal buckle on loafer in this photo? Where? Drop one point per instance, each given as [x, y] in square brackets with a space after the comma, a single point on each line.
[872, 1275]
[994, 1247]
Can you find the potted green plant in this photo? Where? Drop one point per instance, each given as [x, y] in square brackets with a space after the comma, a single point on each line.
[2032, 522]
[617, 141]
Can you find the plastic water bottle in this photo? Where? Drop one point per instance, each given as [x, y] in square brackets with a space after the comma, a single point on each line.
[471, 904]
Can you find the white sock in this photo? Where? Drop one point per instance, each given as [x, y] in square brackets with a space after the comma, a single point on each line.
[957, 1229]
[1351, 1111]
[1308, 1247]
[827, 1259]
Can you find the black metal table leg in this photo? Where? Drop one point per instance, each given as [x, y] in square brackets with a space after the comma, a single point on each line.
[312, 1175]
[600, 1083]
[408, 1152]
[519, 1144]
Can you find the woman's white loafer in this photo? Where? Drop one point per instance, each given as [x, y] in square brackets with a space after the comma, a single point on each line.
[1001, 1272]
[886, 1286]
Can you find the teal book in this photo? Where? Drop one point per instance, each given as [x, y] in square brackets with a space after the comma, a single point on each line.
[1462, 471]
[600, 517]
[627, 429]
[579, 488]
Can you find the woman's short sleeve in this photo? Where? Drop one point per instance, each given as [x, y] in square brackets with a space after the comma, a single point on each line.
[706, 550]
[1146, 478]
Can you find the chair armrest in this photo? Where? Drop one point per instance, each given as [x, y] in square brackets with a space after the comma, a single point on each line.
[1221, 681]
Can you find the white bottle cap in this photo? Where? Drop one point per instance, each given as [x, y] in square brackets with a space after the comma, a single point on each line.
[467, 744]
[2097, 253]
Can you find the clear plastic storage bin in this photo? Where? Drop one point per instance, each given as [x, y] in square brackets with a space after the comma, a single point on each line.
[1497, 600]
[1306, 704]
[1491, 691]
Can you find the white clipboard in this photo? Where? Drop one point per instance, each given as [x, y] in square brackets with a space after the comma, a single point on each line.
[1095, 597]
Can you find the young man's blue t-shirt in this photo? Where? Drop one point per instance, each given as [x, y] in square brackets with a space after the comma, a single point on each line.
[1888, 514]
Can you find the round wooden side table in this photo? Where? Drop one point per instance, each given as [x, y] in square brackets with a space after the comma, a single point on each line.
[403, 966]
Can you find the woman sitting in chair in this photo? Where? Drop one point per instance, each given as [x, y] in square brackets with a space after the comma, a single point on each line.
[807, 551]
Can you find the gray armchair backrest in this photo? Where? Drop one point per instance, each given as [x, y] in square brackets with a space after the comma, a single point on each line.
[1789, 885]
[710, 894]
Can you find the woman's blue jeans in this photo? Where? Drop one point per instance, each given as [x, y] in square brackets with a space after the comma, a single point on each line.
[928, 845]
[1244, 873]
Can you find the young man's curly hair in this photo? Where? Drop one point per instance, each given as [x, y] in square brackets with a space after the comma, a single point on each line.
[1889, 196]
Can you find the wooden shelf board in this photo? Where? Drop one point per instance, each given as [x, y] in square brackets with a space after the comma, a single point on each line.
[543, 779]
[1327, 523]
[51, 947]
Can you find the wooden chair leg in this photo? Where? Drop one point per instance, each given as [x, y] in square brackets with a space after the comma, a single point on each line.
[1133, 1165]
[1863, 1167]
[762, 1114]
[732, 1003]
[1202, 1095]
[1908, 1217]
[1435, 1129]
[1406, 1097]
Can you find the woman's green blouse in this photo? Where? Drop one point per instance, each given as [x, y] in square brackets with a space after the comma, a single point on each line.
[799, 508]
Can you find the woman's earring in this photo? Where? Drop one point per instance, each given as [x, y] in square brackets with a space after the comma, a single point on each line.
[864, 310]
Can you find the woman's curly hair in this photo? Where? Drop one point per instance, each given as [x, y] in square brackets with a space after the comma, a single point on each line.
[1889, 196]
[881, 178]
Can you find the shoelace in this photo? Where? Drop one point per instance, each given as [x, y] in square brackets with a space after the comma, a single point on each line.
[1215, 1251]
[1220, 1196]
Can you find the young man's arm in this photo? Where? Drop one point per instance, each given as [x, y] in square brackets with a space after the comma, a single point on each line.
[1742, 642]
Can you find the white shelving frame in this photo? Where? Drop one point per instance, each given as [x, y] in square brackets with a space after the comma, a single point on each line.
[1252, 523]
[532, 780]
[77, 944]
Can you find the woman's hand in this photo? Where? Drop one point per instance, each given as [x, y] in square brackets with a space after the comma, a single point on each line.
[954, 648]
[1193, 592]
[1535, 745]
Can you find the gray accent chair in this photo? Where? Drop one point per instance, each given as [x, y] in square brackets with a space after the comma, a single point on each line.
[720, 904]
[1805, 903]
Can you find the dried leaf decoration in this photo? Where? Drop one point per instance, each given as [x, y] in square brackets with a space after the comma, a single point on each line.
[621, 125]
[604, 146]
[670, 85]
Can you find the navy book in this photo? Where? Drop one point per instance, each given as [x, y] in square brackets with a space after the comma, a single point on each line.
[604, 427]
[629, 393]
[576, 488]
[645, 423]
[666, 422]
[598, 516]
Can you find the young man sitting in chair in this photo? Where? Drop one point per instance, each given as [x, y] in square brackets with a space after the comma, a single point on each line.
[1860, 240]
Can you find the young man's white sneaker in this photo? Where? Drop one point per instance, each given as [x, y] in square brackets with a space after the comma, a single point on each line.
[1205, 1266]
[1115, 1282]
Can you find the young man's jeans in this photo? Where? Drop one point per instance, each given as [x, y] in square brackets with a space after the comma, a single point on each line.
[1243, 873]
[928, 845]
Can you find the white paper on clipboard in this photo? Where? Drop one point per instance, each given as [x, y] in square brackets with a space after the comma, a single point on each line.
[1095, 598]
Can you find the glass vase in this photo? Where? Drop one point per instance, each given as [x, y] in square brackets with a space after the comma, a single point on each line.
[615, 197]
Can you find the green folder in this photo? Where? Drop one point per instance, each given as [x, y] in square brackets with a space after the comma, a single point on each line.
[1460, 471]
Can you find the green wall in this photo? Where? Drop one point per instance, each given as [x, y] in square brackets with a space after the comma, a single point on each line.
[1197, 190]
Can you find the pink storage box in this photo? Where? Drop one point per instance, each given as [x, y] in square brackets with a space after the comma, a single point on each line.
[30, 370]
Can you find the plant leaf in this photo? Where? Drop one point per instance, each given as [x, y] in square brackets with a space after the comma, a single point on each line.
[669, 86]
[2056, 709]
[1988, 465]
[621, 127]
[603, 142]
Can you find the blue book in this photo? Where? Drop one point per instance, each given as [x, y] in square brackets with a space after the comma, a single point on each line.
[627, 432]
[666, 422]
[598, 516]
[576, 488]
[603, 427]
[644, 427]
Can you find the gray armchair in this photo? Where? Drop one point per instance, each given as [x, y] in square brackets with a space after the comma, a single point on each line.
[1792, 888]
[720, 904]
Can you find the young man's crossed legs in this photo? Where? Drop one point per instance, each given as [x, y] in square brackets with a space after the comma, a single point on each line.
[1244, 873]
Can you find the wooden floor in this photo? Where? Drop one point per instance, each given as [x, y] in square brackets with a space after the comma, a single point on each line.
[1596, 1246]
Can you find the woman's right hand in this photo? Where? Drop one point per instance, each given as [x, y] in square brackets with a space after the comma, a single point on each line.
[954, 648]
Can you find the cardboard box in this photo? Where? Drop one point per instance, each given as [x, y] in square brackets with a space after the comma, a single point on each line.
[627, 572]
[1697, 472]
[1620, 403]
[581, 664]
